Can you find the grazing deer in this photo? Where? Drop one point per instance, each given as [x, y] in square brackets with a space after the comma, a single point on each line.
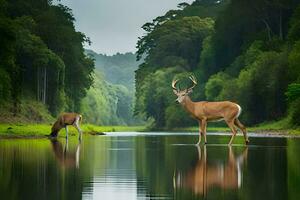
[205, 111]
[205, 175]
[63, 121]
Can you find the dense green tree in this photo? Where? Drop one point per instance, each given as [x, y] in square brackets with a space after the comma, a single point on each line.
[249, 56]
[40, 55]
[7, 66]
[67, 43]
[259, 87]
[117, 69]
[293, 96]
[174, 44]
[242, 22]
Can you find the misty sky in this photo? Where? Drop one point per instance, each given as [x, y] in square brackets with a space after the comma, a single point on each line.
[114, 25]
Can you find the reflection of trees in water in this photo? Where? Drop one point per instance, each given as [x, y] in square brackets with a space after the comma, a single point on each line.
[65, 157]
[29, 169]
[204, 176]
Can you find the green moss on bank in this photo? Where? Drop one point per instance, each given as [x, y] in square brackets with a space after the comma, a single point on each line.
[278, 127]
[29, 112]
[41, 130]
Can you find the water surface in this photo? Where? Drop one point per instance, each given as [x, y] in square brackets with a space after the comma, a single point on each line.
[150, 166]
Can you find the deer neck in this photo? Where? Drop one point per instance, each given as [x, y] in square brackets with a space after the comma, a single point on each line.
[188, 104]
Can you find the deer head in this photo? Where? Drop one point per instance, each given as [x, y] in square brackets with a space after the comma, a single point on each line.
[181, 94]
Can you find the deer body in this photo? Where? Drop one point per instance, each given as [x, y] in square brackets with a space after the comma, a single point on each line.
[205, 111]
[64, 120]
[211, 111]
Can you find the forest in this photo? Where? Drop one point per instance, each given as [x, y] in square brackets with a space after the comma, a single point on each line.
[239, 50]
[243, 51]
[110, 100]
[45, 70]
[42, 60]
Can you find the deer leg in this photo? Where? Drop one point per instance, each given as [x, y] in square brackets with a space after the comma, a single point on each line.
[199, 152]
[231, 158]
[66, 127]
[233, 130]
[77, 155]
[200, 133]
[76, 125]
[66, 147]
[243, 129]
[203, 129]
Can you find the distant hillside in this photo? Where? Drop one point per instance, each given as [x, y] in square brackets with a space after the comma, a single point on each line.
[117, 69]
[108, 104]
[111, 98]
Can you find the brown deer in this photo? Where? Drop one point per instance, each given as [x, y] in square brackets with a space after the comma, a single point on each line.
[204, 176]
[63, 121]
[205, 111]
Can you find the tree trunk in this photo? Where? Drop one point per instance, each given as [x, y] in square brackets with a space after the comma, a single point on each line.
[280, 25]
[45, 85]
[268, 28]
[38, 84]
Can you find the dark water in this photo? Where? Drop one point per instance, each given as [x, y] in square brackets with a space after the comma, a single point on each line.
[149, 167]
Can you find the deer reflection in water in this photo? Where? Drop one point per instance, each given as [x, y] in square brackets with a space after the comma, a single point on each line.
[66, 158]
[205, 176]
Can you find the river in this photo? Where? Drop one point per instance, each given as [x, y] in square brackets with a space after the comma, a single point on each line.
[133, 166]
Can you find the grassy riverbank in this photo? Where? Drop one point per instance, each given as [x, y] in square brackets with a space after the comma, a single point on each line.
[279, 127]
[41, 130]
[257, 129]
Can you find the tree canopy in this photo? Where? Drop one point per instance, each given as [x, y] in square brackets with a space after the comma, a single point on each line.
[42, 56]
[242, 51]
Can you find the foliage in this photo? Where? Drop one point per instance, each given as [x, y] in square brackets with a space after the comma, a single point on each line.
[293, 95]
[107, 104]
[41, 53]
[111, 98]
[176, 42]
[117, 69]
[31, 111]
[293, 91]
[42, 58]
[248, 54]
[174, 47]
[243, 22]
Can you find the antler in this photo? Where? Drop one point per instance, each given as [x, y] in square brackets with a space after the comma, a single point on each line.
[174, 84]
[194, 80]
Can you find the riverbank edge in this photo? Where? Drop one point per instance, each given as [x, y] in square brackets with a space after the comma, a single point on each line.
[42, 130]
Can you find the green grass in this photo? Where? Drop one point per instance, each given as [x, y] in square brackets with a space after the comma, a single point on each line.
[277, 127]
[41, 130]
[93, 128]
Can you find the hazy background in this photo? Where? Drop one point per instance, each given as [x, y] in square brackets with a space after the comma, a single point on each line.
[114, 26]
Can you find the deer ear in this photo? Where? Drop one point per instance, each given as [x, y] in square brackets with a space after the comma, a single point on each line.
[190, 91]
[175, 92]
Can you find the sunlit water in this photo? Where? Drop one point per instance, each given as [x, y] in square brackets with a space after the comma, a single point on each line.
[150, 166]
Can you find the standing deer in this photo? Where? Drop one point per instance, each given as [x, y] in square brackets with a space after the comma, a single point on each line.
[205, 111]
[63, 121]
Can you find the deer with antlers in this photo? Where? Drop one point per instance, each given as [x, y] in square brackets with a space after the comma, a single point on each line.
[205, 111]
